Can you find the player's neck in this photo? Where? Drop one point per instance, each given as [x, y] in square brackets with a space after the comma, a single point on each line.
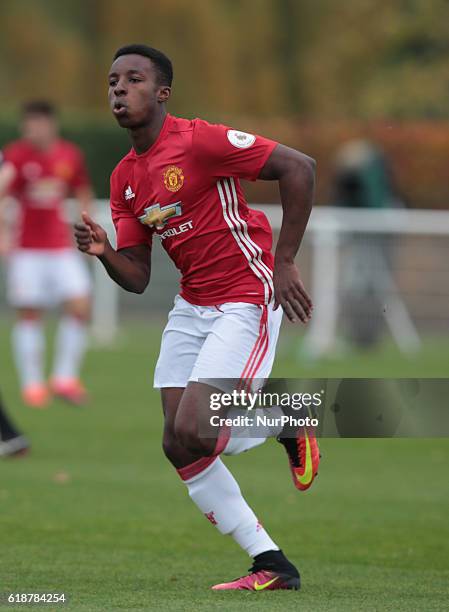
[144, 137]
[43, 145]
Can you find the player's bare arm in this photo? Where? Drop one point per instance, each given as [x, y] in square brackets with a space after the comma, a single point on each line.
[129, 267]
[7, 175]
[296, 175]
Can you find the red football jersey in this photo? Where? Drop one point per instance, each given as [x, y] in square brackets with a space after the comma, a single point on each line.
[43, 180]
[186, 190]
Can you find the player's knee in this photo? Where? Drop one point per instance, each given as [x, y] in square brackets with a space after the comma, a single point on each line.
[188, 436]
[78, 308]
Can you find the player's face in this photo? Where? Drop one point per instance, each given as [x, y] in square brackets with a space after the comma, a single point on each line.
[41, 130]
[134, 92]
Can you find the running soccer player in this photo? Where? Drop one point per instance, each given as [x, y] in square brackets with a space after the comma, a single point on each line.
[180, 182]
[40, 171]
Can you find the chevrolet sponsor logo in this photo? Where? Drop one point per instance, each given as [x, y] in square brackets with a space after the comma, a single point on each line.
[157, 216]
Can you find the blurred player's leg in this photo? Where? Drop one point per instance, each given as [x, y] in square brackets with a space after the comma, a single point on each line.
[71, 341]
[12, 443]
[28, 293]
[73, 286]
[28, 346]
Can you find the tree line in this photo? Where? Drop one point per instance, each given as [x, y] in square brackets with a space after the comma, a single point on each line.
[260, 58]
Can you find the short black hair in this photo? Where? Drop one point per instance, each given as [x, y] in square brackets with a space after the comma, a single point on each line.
[162, 63]
[39, 107]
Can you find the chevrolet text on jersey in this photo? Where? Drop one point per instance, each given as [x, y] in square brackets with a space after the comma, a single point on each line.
[175, 231]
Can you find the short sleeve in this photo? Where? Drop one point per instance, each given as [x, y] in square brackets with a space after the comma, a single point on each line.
[80, 176]
[223, 151]
[130, 232]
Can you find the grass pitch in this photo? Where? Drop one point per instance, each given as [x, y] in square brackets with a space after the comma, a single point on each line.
[97, 513]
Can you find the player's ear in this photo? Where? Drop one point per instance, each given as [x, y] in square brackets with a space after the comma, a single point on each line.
[164, 93]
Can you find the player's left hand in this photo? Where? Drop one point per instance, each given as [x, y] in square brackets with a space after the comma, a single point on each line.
[289, 293]
[90, 237]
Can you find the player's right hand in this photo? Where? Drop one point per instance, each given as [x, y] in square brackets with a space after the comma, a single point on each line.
[90, 237]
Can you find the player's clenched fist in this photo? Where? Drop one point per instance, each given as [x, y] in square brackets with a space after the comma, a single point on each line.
[90, 237]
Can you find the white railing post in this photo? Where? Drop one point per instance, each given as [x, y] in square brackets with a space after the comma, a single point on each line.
[105, 299]
[322, 331]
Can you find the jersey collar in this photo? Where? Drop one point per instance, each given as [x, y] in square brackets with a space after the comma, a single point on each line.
[157, 142]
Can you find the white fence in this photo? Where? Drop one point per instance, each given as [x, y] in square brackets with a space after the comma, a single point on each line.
[329, 230]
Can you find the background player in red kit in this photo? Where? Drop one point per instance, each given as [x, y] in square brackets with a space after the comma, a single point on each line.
[44, 269]
[180, 182]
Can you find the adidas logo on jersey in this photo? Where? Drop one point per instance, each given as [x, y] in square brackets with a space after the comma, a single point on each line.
[129, 194]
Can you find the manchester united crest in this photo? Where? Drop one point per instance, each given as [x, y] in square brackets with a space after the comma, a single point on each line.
[173, 178]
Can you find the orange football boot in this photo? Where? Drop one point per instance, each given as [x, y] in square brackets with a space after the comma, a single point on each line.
[70, 390]
[35, 395]
[303, 455]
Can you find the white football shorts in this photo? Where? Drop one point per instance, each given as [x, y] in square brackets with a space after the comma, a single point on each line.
[235, 340]
[38, 278]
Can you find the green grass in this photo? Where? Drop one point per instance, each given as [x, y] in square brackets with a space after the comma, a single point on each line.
[96, 511]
